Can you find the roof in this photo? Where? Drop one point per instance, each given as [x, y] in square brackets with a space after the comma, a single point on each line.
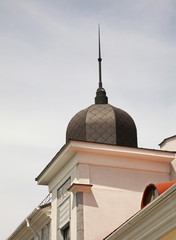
[103, 123]
[37, 218]
[162, 187]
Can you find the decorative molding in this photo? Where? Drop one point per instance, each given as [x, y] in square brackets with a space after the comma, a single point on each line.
[77, 187]
[72, 148]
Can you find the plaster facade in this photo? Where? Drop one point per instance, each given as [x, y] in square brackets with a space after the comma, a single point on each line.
[95, 188]
[169, 144]
[156, 221]
[111, 180]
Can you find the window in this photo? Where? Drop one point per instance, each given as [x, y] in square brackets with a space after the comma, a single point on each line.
[63, 189]
[150, 194]
[63, 211]
[66, 233]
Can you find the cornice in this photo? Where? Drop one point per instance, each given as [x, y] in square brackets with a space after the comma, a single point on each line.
[74, 147]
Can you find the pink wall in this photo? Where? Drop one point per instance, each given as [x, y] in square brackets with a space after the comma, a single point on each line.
[115, 197]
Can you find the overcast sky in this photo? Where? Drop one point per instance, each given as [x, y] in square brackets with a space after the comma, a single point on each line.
[49, 71]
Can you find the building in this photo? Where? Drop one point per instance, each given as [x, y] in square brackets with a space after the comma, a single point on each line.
[97, 179]
[168, 143]
[35, 226]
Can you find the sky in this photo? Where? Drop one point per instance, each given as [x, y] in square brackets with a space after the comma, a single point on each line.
[49, 72]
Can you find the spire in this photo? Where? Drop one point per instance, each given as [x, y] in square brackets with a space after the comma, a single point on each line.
[99, 59]
[101, 97]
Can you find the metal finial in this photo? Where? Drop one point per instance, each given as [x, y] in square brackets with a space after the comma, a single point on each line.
[101, 97]
[99, 58]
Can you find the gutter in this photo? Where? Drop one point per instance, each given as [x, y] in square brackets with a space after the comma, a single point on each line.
[29, 226]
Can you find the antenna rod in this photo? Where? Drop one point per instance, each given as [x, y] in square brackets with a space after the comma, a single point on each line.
[99, 58]
[101, 97]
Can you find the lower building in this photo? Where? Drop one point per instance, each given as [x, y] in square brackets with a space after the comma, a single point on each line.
[36, 226]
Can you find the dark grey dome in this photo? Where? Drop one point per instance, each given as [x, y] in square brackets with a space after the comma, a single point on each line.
[103, 123]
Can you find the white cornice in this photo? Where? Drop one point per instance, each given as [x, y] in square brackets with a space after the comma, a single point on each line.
[137, 153]
[73, 147]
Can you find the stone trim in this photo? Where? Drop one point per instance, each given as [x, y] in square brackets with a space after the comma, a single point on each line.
[80, 219]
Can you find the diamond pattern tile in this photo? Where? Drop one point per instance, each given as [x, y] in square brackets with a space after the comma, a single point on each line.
[103, 123]
[125, 129]
[76, 129]
[100, 124]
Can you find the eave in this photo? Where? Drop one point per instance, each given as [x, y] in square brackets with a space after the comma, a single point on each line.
[37, 218]
[73, 147]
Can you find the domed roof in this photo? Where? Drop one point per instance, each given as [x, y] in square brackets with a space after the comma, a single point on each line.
[103, 123]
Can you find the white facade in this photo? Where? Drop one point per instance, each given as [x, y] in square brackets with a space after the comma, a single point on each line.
[36, 226]
[169, 144]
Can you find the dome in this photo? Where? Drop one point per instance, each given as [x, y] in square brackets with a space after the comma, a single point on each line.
[103, 123]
